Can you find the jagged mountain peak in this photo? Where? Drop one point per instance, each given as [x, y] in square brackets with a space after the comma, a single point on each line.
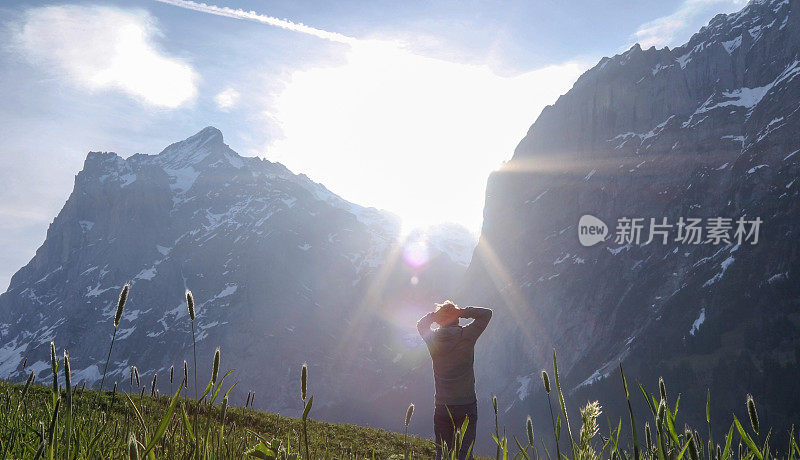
[724, 31]
[205, 157]
[752, 55]
[209, 132]
[206, 136]
[193, 150]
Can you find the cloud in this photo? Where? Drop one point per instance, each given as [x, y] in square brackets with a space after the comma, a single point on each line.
[262, 18]
[227, 99]
[104, 48]
[675, 28]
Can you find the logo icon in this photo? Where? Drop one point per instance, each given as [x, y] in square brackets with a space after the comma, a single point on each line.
[591, 230]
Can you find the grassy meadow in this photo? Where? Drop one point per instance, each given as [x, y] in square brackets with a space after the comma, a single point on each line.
[41, 419]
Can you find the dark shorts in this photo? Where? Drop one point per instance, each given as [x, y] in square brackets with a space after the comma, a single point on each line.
[444, 427]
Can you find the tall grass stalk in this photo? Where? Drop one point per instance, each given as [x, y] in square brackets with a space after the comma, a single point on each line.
[636, 455]
[708, 419]
[54, 366]
[123, 297]
[546, 383]
[563, 405]
[307, 408]
[190, 306]
[496, 427]
[409, 413]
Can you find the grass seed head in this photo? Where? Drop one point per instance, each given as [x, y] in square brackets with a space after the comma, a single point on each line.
[67, 372]
[529, 430]
[185, 374]
[589, 428]
[123, 296]
[648, 436]
[494, 404]
[190, 303]
[54, 365]
[304, 381]
[662, 388]
[27, 386]
[409, 413]
[171, 374]
[153, 385]
[136, 376]
[751, 411]
[546, 381]
[215, 367]
[133, 448]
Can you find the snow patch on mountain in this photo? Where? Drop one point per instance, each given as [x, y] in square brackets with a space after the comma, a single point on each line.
[698, 322]
[731, 45]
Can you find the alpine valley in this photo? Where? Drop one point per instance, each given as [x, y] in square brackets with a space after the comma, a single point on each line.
[285, 271]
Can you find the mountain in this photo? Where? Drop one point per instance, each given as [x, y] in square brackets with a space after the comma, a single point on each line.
[283, 272]
[708, 129]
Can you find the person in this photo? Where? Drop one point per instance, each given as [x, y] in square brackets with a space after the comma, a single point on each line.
[452, 350]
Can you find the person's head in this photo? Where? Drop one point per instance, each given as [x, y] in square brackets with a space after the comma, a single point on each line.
[446, 313]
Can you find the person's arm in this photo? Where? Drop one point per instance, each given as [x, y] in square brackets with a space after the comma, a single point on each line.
[481, 317]
[424, 326]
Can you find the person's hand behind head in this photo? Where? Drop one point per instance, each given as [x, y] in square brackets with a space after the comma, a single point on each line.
[447, 313]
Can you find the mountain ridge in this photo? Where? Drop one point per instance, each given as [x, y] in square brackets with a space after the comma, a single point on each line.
[273, 259]
[703, 130]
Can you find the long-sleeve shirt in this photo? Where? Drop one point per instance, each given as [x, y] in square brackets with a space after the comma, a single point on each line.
[452, 350]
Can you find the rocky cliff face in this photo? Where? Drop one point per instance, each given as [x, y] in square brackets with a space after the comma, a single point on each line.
[283, 272]
[705, 130]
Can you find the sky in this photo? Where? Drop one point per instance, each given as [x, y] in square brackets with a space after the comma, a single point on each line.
[404, 106]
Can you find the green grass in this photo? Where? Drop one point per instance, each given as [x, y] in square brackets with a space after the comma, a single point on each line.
[94, 413]
[38, 422]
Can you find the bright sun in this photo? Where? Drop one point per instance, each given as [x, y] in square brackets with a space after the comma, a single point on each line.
[414, 135]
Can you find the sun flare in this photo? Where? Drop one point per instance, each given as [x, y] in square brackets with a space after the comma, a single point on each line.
[411, 134]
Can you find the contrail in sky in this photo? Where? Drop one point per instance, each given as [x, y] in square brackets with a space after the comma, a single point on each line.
[262, 18]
